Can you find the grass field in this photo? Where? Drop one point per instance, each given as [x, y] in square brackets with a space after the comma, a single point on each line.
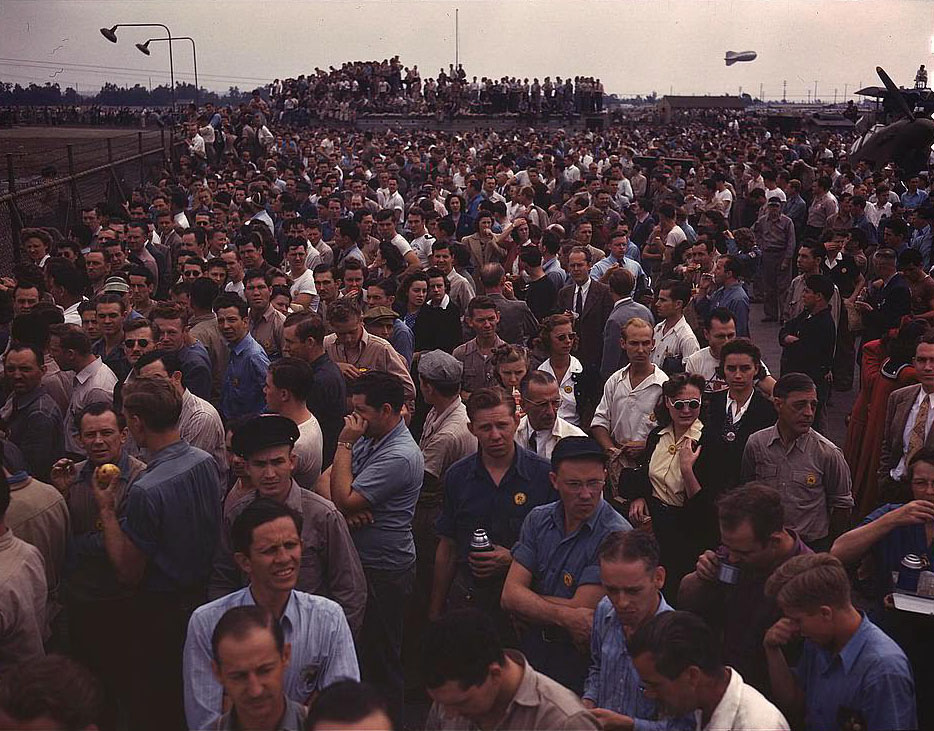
[34, 148]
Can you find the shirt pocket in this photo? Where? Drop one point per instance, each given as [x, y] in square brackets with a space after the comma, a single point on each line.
[808, 489]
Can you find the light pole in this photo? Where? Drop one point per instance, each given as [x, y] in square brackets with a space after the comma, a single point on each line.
[144, 48]
[111, 35]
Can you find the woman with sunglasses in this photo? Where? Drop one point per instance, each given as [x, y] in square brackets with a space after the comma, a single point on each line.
[665, 488]
[557, 338]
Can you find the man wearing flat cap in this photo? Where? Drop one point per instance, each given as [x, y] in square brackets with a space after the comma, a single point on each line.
[557, 554]
[330, 565]
[384, 322]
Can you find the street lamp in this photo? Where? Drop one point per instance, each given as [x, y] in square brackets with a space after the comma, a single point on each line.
[144, 48]
[111, 35]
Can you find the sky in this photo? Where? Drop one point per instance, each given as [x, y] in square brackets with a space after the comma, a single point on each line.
[634, 46]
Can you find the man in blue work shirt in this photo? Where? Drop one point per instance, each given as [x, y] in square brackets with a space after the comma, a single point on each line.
[493, 489]
[851, 674]
[375, 481]
[245, 378]
[729, 294]
[554, 584]
[632, 579]
[163, 544]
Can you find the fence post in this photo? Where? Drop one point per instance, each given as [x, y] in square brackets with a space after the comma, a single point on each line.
[16, 223]
[142, 166]
[71, 179]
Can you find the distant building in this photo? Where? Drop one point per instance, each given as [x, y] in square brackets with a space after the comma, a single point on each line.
[670, 106]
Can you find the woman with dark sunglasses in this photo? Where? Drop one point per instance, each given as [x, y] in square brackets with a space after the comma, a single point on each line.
[665, 488]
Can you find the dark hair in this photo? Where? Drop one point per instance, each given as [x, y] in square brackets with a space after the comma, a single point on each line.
[71, 337]
[154, 401]
[349, 228]
[55, 688]
[631, 545]
[236, 622]
[19, 347]
[379, 388]
[294, 375]
[169, 311]
[792, 383]
[820, 284]
[541, 378]
[307, 325]
[229, 299]
[64, 274]
[670, 389]
[732, 265]
[168, 358]
[679, 291]
[346, 701]
[621, 282]
[677, 641]
[203, 292]
[344, 310]
[460, 648]
[481, 302]
[488, 398]
[757, 503]
[259, 512]
[742, 346]
[99, 408]
[720, 314]
[531, 256]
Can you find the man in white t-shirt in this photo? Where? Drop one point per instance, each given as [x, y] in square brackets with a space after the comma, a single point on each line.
[674, 339]
[719, 329]
[287, 383]
[303, 288]
[386, 231]
[724, 195]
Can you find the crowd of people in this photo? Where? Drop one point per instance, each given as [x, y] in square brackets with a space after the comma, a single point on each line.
[367, 88]
[323, 423]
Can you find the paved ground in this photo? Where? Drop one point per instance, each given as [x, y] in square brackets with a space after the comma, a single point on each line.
[765, 335]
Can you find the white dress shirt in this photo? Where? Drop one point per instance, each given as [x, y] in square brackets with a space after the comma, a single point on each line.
[628, 413]
[902, 467]
[679, 341]
[568, 409]
[743, 708]
[545, 439]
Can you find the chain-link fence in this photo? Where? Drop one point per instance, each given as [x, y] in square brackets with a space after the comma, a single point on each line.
[49, 187]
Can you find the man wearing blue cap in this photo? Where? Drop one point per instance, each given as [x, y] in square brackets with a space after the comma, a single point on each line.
[558, 554]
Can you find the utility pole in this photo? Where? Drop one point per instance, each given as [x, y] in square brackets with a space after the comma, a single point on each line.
[785, 90]
[760, 91]
[835, 97]
[457, 38]
[846, 88]
[809, 96]
[815, 91]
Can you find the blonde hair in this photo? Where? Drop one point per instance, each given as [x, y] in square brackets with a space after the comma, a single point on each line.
[810, 582]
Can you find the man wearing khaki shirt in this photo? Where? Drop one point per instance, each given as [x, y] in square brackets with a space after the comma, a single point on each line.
[355, 351]
[266, 322]
[808, 470]
[462, 647]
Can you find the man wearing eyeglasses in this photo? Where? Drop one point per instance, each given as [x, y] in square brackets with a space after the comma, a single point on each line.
[557, 554]
[541, 428]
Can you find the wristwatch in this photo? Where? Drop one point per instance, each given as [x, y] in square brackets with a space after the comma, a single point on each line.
[346, 445]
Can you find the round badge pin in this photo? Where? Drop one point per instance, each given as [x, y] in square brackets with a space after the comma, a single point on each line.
[729, 436]
[519, 498]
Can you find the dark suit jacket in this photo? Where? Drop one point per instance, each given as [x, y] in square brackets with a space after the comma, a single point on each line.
[589, 326]
[517, 324]
[890, 305]
[721, 471]
[893, 442]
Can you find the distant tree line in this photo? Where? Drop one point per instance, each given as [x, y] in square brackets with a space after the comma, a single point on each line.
[111, 95]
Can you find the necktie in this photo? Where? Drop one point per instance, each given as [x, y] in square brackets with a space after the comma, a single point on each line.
[579, 303]
[916, 438]
[533, 442]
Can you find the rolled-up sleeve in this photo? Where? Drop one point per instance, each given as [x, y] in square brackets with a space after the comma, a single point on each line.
[524, 552]
[838, 481]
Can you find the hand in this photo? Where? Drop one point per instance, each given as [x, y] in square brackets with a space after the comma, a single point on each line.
[578, 621]
[358, 520]
[103, 496]
[349, 371]
[610, 721]
[863, 306]
[688, 455]
[354, 427]
[917, 511]
[633, 449]
[509, 292]
[780, 633]
[707, 566]
[62, 475]
[791, 339]
[638, 510]
[484, 564]
[784, 266]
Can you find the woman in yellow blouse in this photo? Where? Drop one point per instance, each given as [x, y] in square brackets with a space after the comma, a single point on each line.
[665, 488]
